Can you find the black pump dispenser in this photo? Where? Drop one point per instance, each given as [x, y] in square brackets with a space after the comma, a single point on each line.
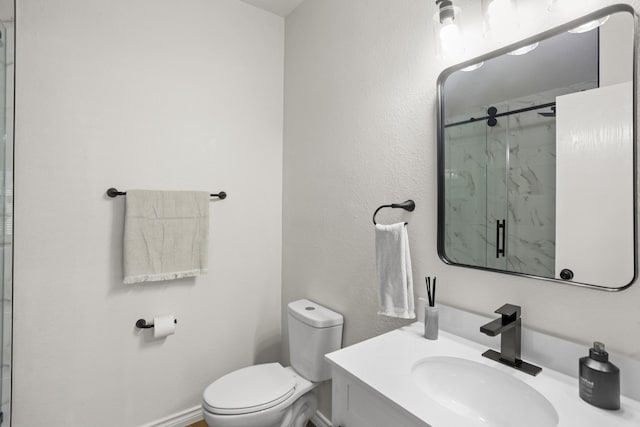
[599, 379]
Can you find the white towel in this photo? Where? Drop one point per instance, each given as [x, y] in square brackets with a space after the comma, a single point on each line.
[166, 235]
[393, 262]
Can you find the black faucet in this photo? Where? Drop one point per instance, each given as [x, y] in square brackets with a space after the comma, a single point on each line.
[509, 327]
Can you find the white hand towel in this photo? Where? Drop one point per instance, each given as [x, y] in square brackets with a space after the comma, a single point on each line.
[166, 235]
[393, 262]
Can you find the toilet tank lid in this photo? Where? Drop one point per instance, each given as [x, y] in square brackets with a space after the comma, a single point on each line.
[314, 314]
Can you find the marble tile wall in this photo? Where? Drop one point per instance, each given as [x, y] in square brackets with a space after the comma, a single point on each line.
[531, 194]
[466, 189]
[531, 184]
[504, 172]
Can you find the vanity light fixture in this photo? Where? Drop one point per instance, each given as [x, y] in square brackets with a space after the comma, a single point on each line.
[472, 67]
[524, 50]
[589, 25]
[553, 5]
[500, 9]
[500, 17]
[447, 20]
[500, 12]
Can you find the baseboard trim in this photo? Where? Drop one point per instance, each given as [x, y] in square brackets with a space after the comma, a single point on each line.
[193, 415]
[320, 420]
[181, 419]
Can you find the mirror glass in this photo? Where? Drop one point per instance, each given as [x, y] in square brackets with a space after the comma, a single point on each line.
[536, 157]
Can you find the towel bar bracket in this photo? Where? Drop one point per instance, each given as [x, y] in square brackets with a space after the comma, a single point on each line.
[112, 192]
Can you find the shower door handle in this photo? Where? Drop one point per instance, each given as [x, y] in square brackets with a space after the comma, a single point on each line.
[500, 232]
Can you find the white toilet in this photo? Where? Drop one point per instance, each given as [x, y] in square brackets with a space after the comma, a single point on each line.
[269, 395]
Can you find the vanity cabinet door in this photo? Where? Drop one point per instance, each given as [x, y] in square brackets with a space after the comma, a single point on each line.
[355, 405]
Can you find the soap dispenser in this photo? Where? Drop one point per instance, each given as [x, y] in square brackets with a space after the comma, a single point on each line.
[599, 379]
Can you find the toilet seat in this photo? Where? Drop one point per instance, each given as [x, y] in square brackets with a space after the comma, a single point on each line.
[250, 389]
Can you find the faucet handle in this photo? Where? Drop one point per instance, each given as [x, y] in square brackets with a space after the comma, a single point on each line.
[509, 310]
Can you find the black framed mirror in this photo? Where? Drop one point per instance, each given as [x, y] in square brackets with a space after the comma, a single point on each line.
[537, 157]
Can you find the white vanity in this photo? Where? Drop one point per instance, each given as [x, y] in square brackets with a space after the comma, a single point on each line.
[493, 110]
[402, 379]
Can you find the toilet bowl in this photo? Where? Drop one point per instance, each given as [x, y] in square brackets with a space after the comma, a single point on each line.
[275, 397]
[269, 395]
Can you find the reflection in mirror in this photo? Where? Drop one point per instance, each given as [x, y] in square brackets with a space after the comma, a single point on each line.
[7, 40]
[536, 156]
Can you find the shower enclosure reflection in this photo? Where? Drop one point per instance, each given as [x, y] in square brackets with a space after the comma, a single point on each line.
[517, 191]
[498, 174]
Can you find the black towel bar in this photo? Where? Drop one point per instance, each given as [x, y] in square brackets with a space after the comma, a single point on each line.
[112, 192]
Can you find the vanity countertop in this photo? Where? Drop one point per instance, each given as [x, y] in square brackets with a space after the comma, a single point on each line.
[384, 364]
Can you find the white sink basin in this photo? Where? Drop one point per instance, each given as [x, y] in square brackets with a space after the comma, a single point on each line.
[483, 394]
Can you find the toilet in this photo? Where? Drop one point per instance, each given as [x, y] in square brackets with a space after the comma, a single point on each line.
[270, 395]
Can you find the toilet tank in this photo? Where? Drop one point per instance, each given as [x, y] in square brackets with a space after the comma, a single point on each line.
[314, 331]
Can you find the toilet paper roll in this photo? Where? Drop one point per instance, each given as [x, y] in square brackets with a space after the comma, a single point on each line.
[164, 325]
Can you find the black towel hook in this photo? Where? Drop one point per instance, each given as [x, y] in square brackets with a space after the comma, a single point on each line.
[408, 205]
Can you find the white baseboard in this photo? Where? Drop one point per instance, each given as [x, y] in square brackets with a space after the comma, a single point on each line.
[193, 415]
[320, 420]
[181, 419]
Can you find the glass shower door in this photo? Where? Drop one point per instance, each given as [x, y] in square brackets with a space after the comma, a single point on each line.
[497, 196]
[475, 185]
[531, 192]
[500, 191]
[466, 188]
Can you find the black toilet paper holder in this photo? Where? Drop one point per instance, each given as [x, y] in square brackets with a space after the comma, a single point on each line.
[142, 324]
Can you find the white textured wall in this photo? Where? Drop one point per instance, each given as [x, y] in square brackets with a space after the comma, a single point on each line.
[157, 94]
[360, 105]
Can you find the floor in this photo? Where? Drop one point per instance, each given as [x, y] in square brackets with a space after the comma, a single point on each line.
[203, 424]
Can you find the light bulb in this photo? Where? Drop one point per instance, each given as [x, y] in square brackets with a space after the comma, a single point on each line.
[472, 67]
[589, 25]
[450, 37]
[553, 5]
[449, 31]
[501, 19]
[500, 10]
[524, 50]
[447, 28]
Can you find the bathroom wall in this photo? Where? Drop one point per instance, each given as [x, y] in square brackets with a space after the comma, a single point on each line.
[147, 94]
[360, 107]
